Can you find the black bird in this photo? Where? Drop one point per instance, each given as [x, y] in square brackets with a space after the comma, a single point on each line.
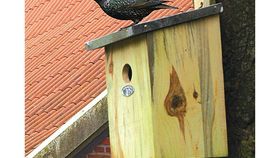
[134, 10]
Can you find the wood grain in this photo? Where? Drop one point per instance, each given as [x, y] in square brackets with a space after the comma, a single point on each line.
[177, 109]
[130, 117]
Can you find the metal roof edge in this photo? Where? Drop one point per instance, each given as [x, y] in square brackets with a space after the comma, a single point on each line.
[153, 25]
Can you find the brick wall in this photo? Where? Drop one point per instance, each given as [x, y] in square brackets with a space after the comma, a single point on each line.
[102, 150]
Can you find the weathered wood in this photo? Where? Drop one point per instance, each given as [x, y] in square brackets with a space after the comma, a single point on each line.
[177, 109]
[211, 82]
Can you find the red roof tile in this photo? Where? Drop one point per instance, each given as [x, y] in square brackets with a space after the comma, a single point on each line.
[61, 77]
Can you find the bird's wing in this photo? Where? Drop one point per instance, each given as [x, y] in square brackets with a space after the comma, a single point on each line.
[152, 4]
[147, 3]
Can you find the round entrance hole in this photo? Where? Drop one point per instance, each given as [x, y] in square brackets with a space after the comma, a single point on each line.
[127, 73]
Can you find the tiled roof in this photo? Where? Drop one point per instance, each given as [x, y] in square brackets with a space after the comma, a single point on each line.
[61, 77]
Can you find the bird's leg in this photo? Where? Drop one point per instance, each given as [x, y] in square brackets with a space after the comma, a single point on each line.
[126, 26]
[136, 21]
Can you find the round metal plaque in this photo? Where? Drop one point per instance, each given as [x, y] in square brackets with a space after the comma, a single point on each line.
[127, 90]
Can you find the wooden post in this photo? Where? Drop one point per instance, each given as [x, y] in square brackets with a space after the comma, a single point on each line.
[165, 88]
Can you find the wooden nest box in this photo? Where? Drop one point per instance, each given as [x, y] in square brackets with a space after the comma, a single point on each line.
[165, 87]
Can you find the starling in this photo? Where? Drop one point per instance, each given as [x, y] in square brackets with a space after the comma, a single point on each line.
[134, 10]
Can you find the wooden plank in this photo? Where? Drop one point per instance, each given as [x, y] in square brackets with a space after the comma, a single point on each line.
[219, 131]
[197, 53]
[129, 117]
[206, 38]
[176, 78]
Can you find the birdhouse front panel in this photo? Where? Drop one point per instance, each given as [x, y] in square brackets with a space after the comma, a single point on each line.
[129, 99]
[165, 92]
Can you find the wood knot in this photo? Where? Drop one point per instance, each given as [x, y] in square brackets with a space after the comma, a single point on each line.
[175, 102]
[195, 94]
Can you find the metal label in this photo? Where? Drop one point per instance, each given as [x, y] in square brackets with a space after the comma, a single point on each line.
[127, 90]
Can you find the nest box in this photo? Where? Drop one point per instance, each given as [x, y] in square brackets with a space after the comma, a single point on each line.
[165, 87]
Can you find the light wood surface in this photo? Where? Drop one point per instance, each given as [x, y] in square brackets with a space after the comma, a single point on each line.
[178, 107]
